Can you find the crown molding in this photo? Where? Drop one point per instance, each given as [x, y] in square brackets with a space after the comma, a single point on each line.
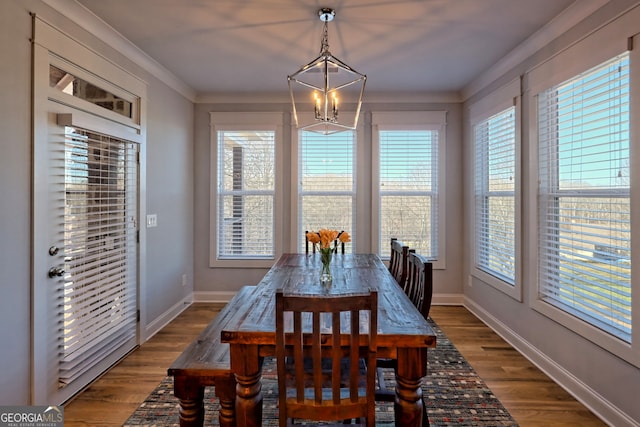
[412, 97]
[243, 98]
[568, 18]
[369, 98]
[96, 26]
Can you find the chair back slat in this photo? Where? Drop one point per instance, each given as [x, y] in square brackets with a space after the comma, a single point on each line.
[419, 282]
[398, 261]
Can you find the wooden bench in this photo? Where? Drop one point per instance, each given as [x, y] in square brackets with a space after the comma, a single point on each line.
[205, 362]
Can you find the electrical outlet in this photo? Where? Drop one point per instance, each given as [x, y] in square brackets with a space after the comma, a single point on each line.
[152, 220]
[184, 280]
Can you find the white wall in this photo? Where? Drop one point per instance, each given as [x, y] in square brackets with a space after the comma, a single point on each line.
[169, 194]
[605, 383]
[15, 204]
[167, 168]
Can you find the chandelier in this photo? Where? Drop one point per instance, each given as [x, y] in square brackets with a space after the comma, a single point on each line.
[326, 85]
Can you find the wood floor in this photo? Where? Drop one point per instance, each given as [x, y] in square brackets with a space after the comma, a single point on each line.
[528, 394]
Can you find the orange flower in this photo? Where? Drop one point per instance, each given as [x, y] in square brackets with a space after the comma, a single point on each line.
[313, 237]
[325, 238]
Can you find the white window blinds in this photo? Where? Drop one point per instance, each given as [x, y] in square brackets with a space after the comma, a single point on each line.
[584, 230]
[98, 293]
[495, 168]
[246, 194]
[409, 189]
[326, 184]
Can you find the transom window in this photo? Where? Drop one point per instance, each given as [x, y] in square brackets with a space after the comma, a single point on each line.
[75, 86]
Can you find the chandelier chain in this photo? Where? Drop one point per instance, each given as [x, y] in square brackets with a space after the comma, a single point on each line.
[324, 45]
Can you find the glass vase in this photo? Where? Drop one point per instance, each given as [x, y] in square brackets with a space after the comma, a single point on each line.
[325, 273]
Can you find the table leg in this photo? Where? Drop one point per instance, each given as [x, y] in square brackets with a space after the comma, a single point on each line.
[409, 406]
[191, 396]
[247, 366]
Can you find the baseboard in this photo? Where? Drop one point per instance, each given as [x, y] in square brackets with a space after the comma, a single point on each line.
[213, 296]
[600, 406]
[447, 299]
[165, 318]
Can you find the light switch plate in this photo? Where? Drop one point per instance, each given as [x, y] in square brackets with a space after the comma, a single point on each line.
[152, 220]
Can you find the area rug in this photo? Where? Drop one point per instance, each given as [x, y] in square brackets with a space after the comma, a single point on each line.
[454, 394]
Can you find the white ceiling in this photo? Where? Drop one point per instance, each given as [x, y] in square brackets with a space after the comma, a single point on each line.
[403, 46]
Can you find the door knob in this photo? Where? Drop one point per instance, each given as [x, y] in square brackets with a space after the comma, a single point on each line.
[56, 272]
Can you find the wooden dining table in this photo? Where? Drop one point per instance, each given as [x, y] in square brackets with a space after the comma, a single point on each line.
[403, 333]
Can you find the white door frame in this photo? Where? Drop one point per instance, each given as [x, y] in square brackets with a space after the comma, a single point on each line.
[52, 46]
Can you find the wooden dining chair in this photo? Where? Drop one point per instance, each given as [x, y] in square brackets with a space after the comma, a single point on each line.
[307, 243]
[336, 244]
[398, 269]
[398, 261]
[322, 358]
[419, 283]
[418, 286]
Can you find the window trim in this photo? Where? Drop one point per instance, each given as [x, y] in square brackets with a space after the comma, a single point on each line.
[296, 233]
[409, 120]
[226, 121]
[606, 43]
[111, 76]
[505, 97]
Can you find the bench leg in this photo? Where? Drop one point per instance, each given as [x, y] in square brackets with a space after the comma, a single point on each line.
[226, 393]
[247, 366]
[191, 395]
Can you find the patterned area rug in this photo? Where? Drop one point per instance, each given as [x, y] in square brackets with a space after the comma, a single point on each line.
[454, 394]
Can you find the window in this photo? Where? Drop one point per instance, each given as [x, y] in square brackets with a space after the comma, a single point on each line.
[245, 193]
[326, 183]
[98, 216]
[584, 197]
[495, 134]
[244, 203]
[75, 86]
[408, 169]
[68, 83]
[495, 195]
[408, 188]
